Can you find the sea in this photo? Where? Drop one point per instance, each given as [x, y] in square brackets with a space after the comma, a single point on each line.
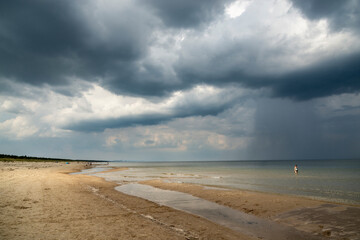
[329, 180]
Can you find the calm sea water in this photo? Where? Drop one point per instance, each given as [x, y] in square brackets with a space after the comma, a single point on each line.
[331, 180]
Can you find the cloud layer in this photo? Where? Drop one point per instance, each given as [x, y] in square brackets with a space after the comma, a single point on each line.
[89, 68]
[157, 47]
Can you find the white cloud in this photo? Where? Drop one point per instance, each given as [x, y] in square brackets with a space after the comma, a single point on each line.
[47, 115]
[99, 104]
[229, 131]
[237, 8]
[18, 127]
[168, 138]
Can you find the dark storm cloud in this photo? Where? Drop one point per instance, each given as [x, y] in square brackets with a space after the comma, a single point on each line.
[138, 80]
[280, 134]
[139, 120]
[36, 39]
[56, 42]
[182, 109]
[335, 76]
[101, 125]
[341, 14]
[52, 42]
[187, 13]
[47, 42]
[325, 78]
[6, 88]
[294, 130]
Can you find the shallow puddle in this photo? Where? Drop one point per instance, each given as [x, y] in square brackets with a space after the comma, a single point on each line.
[92, 170]
[219, 214]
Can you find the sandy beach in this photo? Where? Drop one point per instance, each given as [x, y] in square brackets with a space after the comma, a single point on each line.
[42, 201]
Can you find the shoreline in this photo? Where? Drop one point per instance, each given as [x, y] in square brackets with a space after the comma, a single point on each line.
[152, 182]
[314, 216]
[41, 200]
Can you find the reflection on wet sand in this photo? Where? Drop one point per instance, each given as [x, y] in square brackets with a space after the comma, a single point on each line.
[335, 221]
[223, 215]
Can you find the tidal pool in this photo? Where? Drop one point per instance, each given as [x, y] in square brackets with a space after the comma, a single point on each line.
[231, 218]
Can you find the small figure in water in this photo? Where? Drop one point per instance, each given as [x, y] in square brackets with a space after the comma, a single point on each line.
[296, 170]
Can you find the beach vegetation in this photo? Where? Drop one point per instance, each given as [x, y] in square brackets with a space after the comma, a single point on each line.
[24, 158]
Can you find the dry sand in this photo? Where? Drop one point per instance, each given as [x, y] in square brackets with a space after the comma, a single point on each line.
[42, 201]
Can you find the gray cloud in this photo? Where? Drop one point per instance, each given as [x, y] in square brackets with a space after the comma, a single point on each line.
[46, 42]
[187, 13]
[341, 136]
[6, 88]
[288, 130]
[36, 39]
[182, 109]
[341, 14]
[327, 77]
[123, 122]
[280, 134]
[334, 76]
[54, 43]
[152, 48]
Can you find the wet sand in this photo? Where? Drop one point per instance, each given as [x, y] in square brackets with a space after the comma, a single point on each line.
[114, 170]
[42, 201]
[222, 215]
[319, 218]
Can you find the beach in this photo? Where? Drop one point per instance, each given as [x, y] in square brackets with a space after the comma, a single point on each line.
[43, 201]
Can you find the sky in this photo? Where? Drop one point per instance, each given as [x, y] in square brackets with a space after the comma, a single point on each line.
[159, 80]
